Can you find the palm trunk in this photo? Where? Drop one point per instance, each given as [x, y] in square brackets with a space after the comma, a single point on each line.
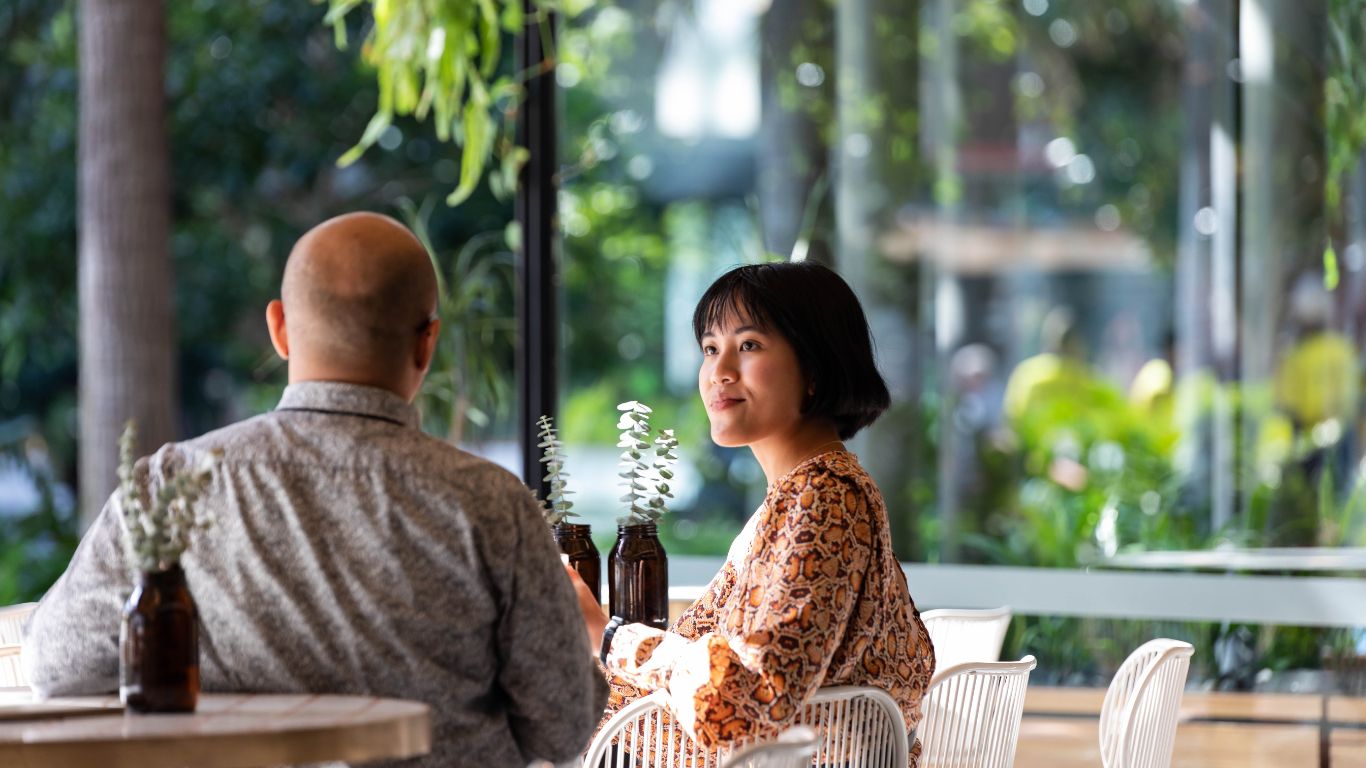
[127, 336]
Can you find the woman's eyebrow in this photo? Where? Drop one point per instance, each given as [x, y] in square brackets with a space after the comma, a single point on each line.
[737, 331]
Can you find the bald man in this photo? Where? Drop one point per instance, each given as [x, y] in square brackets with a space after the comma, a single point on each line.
[352, 553]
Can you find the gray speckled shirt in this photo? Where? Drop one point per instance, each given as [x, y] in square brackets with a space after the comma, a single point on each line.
[354, 554]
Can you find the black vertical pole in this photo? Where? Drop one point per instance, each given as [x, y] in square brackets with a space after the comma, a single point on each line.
[536, 200]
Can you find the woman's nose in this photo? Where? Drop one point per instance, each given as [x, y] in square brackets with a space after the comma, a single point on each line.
[723, 370]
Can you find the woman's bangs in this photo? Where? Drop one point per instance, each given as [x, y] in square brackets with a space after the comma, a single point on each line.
[728, 303]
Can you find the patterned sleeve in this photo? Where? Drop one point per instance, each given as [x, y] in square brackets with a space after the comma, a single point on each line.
[700, 618]
[751, 673]
[696, 620]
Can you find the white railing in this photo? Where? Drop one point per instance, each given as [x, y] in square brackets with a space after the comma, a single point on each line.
[1297, 601]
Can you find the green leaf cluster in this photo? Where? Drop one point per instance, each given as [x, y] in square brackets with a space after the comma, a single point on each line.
[260, 105]
[467, 395]
[441, 59]
[1344, 91]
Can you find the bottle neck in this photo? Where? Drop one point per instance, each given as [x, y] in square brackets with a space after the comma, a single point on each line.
[572, 529]
[637, 530]
[169, 578]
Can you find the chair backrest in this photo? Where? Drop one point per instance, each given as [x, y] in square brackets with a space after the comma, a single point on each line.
[12, 619]
[11, 675]
[856, 727]
[972, 714]
[794, 748]
[961, 635]
[1138, 718]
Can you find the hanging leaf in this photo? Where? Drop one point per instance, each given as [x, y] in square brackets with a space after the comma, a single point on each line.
[437, 60]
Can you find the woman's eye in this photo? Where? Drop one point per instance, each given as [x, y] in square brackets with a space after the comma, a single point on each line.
[748, 346]
[708, 350]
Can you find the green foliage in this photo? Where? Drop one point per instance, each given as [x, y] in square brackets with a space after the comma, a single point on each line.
[441, 59]
[1344, 91]
[260, 104]
[1094, 471]
[616, 251]
[467, 395]
[707, 536]
[991, 26]
[35, 545]
[37, 275]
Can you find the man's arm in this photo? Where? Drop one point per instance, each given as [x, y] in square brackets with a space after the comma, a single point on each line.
[556, 694]
[71, 645]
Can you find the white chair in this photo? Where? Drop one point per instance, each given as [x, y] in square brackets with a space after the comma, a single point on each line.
[856, 727]
[12, 619]
[961, 635]
[1138, 718]
[972, 714]
[794, 748]
[11, 674]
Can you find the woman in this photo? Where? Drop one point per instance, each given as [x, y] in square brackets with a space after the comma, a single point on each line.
[811, 594]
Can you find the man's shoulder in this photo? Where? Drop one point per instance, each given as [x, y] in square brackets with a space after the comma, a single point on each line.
[429, 458]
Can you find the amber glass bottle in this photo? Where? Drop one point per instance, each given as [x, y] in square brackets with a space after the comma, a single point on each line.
[159, 645]
[575, 540]
[638, 579]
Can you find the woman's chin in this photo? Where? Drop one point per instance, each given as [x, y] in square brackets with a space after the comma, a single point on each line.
[726, 439]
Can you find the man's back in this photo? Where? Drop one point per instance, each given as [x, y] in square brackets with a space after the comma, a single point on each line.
[353, 554]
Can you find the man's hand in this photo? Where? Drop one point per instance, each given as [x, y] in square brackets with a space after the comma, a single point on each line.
[594, 618]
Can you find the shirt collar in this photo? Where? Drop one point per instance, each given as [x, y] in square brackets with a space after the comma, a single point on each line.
[348, 399]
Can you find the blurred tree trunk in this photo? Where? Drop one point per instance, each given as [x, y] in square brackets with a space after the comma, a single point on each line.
[127, 338]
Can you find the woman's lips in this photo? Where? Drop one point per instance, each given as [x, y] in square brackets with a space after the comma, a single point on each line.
[722, 403]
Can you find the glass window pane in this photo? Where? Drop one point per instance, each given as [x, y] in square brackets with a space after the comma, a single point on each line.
[1112, 253]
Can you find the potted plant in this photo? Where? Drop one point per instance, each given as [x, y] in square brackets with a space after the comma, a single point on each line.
[159, 636]
[638, 568]
[574, 539]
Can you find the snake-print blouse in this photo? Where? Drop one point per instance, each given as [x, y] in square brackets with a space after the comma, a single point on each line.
[816, 599]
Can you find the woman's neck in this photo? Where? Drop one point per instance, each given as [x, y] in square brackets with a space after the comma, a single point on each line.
[777, 455]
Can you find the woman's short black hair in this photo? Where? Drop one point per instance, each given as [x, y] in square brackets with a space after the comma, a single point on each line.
[819, 315]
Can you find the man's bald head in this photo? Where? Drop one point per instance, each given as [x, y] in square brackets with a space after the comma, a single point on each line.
[359, 294]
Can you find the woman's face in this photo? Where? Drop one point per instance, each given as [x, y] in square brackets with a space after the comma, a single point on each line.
[750, 382]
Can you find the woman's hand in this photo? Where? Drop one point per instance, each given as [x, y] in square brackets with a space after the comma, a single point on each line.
[594, 618]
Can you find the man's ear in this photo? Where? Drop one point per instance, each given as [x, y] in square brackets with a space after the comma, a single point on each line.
[426, 345]
[275, 323]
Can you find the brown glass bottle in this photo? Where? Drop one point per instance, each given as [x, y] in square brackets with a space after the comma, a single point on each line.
[638, 581]
[574, 540]
[159, 645]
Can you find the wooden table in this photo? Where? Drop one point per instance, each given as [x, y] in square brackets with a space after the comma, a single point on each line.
[227, 731]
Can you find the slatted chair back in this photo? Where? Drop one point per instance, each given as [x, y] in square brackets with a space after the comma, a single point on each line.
[856, 727]
[972, 714]
[1138, 717]
[794, 748]
[961, 635]
[12, 620]
[11, 675]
